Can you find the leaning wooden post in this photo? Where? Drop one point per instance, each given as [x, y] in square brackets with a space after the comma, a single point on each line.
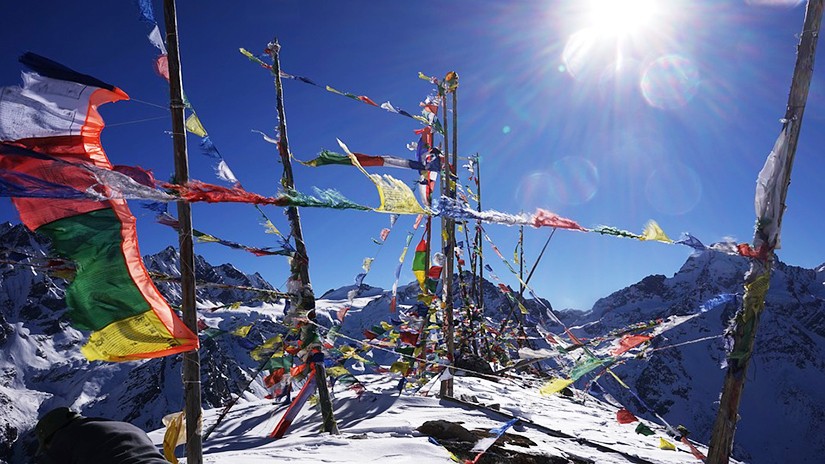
[772, 190]
[191, 359]
[301, 294]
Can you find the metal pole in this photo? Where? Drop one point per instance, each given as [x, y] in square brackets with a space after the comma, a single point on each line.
[304, 300]
[757, 281]
[191, 359]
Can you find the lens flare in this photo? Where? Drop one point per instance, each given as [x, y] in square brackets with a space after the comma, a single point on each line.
[673, 189]
[537, 190]
[669, 82]
[579, 180]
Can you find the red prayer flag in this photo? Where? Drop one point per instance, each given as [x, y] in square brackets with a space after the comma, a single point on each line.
[628, 342]
[625, 417]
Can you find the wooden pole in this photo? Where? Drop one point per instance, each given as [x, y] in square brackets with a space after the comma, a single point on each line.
[757, 281]
[447, 225]
[479, 242]
[521, 263]
[450, 84]
[303, 298]
[191, 359]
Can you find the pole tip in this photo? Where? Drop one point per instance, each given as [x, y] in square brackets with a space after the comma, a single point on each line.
[273, 47]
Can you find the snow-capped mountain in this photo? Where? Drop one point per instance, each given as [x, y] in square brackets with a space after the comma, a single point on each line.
[41, 366]
[679, 377]
[782, 413]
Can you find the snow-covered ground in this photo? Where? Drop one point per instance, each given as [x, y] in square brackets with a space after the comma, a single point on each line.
[381, 425]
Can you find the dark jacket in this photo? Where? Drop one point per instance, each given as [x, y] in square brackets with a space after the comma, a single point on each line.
[91, 440]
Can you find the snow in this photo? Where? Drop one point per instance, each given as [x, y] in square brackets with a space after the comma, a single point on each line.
[381, 426]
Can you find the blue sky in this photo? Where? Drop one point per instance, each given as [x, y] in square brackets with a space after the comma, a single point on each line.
[596, 118]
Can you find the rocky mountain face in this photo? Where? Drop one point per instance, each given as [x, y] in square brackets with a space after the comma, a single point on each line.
[781, 411]
[679, 378]
[41, 366]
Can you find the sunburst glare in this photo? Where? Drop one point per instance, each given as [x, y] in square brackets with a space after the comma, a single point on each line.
[622, 16]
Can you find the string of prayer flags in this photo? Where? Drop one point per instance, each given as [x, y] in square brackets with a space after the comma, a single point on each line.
[367, 263]
[164, 218]
[327, 157]
[201, 237]
[387, 106]
[147, 16]
[192, 123]
[407, 241]
[18, 178]
[395, 196]
[112, 295]
[454, 209]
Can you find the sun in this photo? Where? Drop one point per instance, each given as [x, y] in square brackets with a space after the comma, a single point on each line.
[622, 17]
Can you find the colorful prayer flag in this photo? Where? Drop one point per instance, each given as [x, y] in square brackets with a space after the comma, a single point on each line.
[55, 112]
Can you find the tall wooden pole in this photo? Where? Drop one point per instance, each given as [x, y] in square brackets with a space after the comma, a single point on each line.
[521, 263]
[479, 242]
[448, 229]
[303, 298]
[191, 359]
[757, 281]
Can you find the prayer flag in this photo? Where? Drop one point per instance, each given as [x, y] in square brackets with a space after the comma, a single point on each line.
[55, 112]
[555, 386]
[628, 342]
[420, 262]
[623, 416]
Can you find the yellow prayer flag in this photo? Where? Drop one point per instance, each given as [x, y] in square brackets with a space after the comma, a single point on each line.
[175, 435]
[400, 367]
[554, 386]
[666, 445]
[337, 371]
[270, 228]
[395, 195]
[652, 231]
[206, 238]
[242, 331]
[347, 351]
[193, 125]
